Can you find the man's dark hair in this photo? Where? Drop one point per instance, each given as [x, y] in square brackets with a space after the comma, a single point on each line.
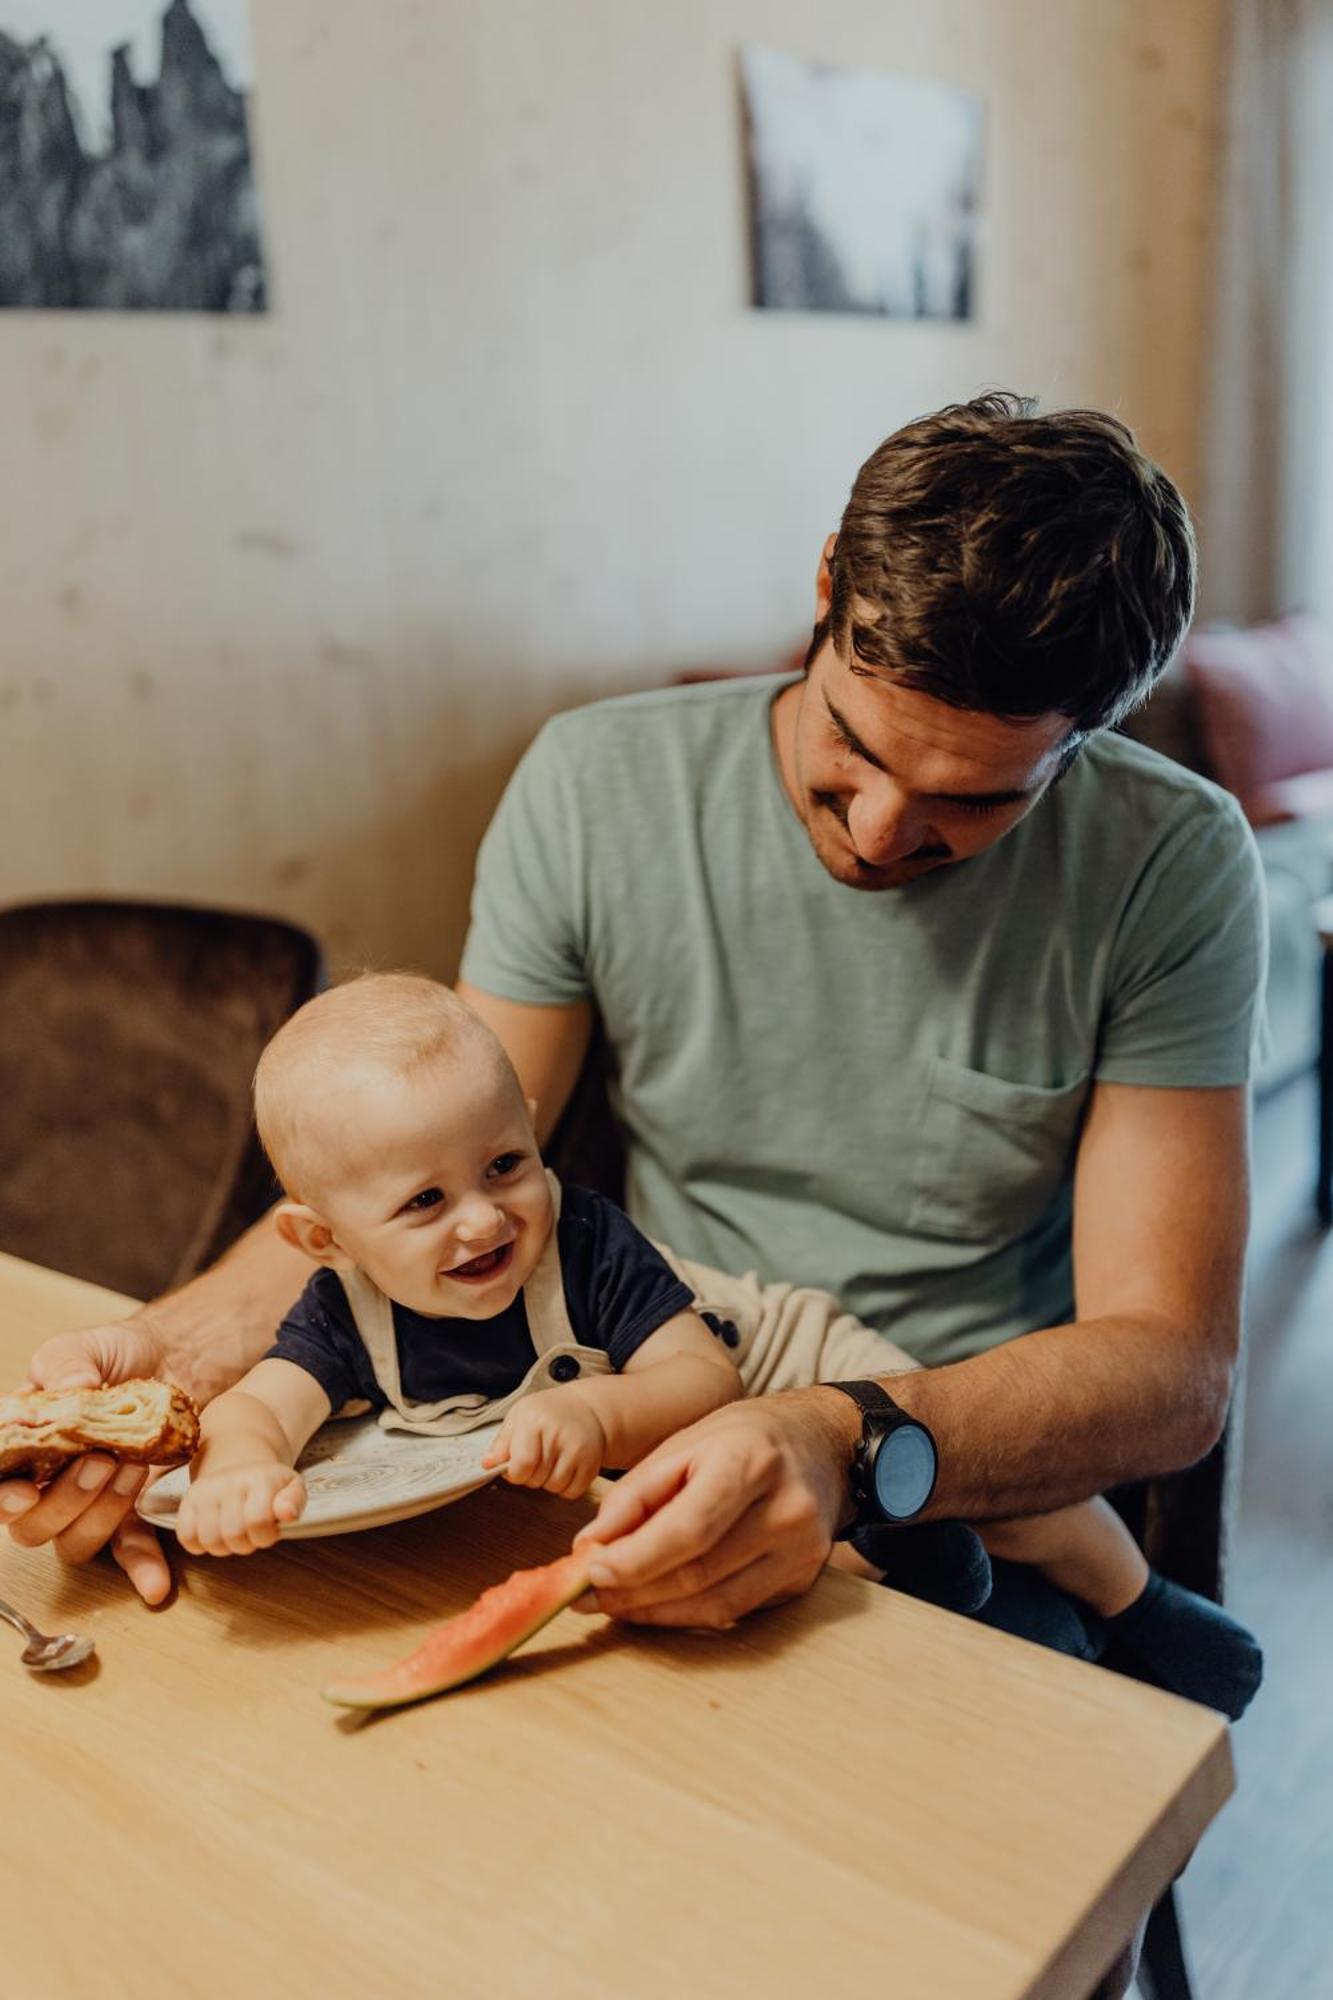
[1015, 564]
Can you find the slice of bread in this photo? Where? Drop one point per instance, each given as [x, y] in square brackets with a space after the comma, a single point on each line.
[145, 1422]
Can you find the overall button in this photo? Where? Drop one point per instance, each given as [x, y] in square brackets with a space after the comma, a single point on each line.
[564, 1368]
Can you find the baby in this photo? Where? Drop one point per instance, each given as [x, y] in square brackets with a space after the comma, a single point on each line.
[459, 1284]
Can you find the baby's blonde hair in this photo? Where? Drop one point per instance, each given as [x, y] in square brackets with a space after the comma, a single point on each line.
[378, 1021]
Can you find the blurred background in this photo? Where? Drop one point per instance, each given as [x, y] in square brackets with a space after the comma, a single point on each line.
[285, 595]
[484, 422]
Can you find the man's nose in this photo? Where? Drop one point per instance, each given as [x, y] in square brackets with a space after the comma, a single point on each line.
[477, 1216]
[883, 823]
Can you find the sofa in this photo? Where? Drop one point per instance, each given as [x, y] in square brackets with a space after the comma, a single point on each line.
[1253, 710]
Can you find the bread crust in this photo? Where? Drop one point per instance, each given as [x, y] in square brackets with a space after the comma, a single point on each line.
[141, 1422]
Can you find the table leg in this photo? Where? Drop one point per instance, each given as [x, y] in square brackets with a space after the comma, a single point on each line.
[1323, 1187]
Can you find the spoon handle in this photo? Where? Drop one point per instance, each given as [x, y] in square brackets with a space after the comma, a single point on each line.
[18, 1621]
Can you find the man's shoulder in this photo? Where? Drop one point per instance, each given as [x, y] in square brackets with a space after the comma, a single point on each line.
[1124, 780]
[1122, 764]
[655, 717]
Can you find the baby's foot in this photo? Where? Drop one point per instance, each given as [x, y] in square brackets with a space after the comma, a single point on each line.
[1190, 1646]
[942, 1562]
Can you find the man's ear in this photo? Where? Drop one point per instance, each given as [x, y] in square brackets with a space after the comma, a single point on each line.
[824, 581]
[305, 1229]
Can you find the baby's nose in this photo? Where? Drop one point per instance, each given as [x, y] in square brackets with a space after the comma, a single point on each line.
[478, 1216]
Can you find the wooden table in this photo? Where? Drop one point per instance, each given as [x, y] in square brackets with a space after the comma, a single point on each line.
[853, 1794]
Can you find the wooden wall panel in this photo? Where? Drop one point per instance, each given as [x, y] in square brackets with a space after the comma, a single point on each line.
[283, 600]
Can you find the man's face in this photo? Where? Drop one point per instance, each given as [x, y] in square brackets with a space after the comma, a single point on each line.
[892, 783]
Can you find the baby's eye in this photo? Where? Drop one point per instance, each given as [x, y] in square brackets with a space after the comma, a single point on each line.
[503, 1165]
[428, 1198]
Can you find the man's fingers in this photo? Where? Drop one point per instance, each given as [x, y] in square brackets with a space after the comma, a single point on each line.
[699, 1576]
[93, 1529]
[695, 1518]
[636, 1498]
[63, 1501]
[16, 1496]
[761, 1582]
[137, 1550]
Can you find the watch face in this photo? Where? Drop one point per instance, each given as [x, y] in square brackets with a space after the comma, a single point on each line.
[904, 1471]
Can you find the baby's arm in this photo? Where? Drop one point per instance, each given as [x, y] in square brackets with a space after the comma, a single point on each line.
[561, 1438]
[1085, 1550]
[243, 1479]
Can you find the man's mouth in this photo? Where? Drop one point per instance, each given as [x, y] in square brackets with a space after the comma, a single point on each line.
[488, 1265]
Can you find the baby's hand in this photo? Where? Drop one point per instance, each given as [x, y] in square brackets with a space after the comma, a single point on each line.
[553, 1440]
[234, 1513]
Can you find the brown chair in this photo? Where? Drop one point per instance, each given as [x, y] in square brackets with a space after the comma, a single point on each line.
[129, 1034]
[1182, 1520]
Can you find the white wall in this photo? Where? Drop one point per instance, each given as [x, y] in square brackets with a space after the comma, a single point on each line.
[283, 600]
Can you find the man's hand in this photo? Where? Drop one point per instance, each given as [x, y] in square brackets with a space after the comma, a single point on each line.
[553, 1440]
[735, 1512]
[233, 1513]
[92, 1501]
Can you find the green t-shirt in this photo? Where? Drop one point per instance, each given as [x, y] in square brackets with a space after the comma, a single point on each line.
[879, 1093]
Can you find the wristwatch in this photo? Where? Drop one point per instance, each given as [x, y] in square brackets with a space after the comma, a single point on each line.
[894, 1467]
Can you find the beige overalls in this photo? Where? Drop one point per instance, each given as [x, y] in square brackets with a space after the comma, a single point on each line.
[789, 1336]
[785, 1337]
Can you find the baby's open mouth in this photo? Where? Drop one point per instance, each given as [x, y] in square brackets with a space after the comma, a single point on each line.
[486, 1266]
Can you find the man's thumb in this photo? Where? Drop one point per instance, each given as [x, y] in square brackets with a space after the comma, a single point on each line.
[63, 1363]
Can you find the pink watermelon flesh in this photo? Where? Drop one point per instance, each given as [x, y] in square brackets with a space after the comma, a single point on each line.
[465, 1646]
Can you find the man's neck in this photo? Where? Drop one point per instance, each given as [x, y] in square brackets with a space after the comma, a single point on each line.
[782, 731]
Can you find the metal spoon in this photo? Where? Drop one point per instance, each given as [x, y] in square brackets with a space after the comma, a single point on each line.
[43, 1654]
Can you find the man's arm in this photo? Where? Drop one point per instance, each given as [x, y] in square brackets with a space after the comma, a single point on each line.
[1139, 1384]
[546, 1045]
[739, 1510]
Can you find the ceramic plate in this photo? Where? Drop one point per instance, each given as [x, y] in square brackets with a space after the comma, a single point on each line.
[359, 1476]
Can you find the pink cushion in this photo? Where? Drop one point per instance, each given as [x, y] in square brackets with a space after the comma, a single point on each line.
[1264, 703]
[1308, 797]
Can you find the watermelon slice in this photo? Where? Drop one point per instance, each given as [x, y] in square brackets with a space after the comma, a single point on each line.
[465, 1646]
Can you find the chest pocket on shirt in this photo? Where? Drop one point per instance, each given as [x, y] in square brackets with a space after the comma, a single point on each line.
[990, 1154]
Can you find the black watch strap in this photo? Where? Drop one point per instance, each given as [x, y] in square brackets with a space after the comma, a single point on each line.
[870, 1397]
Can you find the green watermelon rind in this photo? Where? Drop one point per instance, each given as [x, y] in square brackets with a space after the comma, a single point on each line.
[470, 1644]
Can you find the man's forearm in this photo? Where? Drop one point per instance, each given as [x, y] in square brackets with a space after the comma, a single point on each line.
[215, 1328]
[1060, 1415]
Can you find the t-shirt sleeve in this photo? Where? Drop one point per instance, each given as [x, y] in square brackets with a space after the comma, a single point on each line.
[629, 1288]
[527, 937]
[319, 1334]
[1185, 996]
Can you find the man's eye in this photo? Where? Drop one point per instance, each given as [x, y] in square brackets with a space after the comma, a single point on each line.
[504, 1164]
[977, 807]
[428, 1198]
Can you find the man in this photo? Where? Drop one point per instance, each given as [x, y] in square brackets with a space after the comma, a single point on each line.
[921, 987]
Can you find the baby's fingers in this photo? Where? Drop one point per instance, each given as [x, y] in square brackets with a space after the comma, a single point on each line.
[289, 1500]
[258, 1524]
[528, 1455]
[498, 1449]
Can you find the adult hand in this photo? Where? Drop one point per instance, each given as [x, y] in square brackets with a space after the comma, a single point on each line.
[735, 1512]
[92, 1501]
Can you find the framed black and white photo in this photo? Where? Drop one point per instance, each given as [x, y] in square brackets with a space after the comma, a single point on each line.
[126, 180]
[865, 189]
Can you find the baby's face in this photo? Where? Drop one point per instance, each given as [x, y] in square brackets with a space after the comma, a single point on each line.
[443, 1202]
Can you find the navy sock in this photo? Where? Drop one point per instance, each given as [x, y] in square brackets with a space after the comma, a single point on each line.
[1190, 1646]
[942, 1562]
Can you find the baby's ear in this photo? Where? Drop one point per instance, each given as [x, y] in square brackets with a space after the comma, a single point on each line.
[305, 1229]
